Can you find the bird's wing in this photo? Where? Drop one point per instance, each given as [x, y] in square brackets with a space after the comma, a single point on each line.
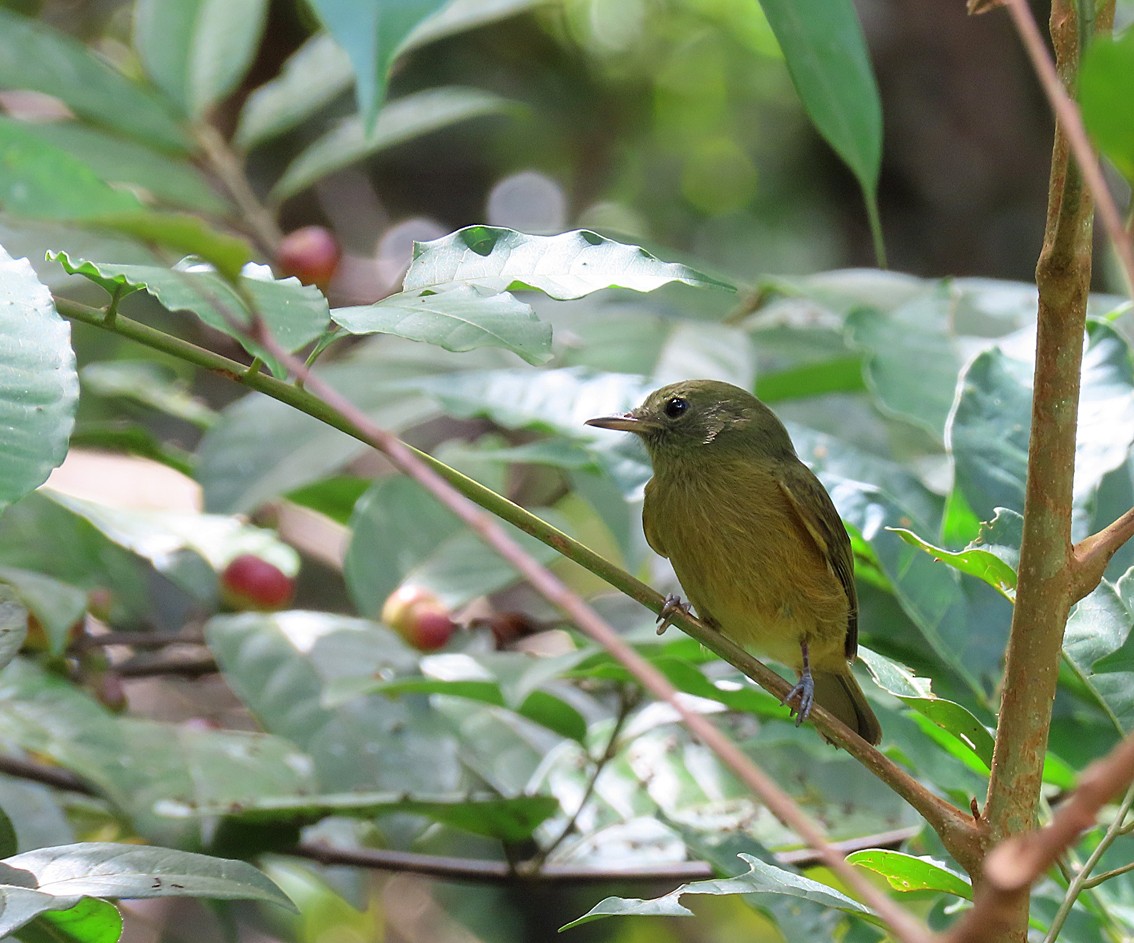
[816, 512]
[649, 509]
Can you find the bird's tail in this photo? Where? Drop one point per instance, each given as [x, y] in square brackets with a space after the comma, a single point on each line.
[841, 695]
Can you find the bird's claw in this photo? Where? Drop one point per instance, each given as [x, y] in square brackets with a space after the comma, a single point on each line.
[804, 694]
[672, 606]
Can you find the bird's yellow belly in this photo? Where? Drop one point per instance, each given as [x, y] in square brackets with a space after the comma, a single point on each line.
[763, 583]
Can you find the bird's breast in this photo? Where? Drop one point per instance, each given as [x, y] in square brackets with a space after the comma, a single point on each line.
[745, 561]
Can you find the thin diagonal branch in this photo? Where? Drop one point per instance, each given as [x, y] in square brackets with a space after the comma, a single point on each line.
[960, 834]
[1071, 124]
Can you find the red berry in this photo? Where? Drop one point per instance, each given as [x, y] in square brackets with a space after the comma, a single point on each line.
[311, 254]
[419, 617]
[250, 582]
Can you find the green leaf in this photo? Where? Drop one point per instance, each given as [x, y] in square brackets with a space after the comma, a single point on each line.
[295, 314]
[13, 625]
[159, 536]
[156, 174]
[827, 57]
[507, 818]
[197, 51]
[458, 319]
[983, 564]
[910, 873]
[917, 332]
[148, 383]
[262, 448]
[311, 78]
[280, 665]
[916, 692]
[570, 265]
[89, 921]
[459, 16]
[1097, 645]
[1106, 96]
[434, 550]
[138, 763]
[185, 235]
[39, 534]
[501, 679]
[104, 869]
[371, 33]
[43, 181]
[39, 386]
[38, 58]
[989, 428]
[404, 119]
[761, 878]
[57, 605]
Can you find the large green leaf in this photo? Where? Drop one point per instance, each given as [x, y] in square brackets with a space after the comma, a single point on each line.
[404, 119]
[159, 536]
[40, 534]
[262, 448]
[91, 920]
[570, 265]
[989, 429]
[460, 318]
[295, 314]
[1098, 645]
[119, 160]
[975, 561]
[39, 58]
[371, 33]
[43, 181]
[103, 869]
[279, 665]
[312, 77]
[13, 625]
[39, 386]
[432, 549]
[910, 873]
[827, 57]
[761, 878]
[458, 16]
[912, 358]
[57, 605]
[140, 764]
[1106, 96]
[196, 51]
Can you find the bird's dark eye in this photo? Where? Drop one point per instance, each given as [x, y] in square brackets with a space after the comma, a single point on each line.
[676, 406]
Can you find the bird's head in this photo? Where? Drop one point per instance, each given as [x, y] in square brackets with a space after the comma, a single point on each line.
[702, 417]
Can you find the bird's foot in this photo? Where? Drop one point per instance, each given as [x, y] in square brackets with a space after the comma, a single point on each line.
[804, 694]
[804, 691]
[672, 606]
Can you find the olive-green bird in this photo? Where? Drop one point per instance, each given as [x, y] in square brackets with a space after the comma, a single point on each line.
[753, 536]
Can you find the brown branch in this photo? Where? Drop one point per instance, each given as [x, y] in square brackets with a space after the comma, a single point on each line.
[480, 871]
[1045, 589]
[1014, 865]
[43, 773]
[1091, 555]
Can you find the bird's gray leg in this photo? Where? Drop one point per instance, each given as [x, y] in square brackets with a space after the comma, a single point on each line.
[672, 606]
[804, 690]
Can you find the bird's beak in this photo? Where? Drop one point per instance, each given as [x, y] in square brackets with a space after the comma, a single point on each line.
[627, 422]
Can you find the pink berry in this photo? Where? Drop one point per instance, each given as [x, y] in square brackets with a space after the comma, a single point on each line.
[311, 254]
[250, 582]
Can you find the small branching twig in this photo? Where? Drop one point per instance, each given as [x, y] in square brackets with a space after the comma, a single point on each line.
[627, 699]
